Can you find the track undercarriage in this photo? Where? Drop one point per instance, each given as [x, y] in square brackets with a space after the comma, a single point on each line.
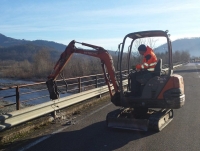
[142, 119]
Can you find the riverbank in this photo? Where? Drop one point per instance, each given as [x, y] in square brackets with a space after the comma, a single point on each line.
[5, 82]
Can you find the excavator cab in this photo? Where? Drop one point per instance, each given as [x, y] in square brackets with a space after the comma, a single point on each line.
[161, 86]
[160, 93]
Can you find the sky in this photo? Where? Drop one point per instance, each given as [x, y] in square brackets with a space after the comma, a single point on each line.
[104, 22]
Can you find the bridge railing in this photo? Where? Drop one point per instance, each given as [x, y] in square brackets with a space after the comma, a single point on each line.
[25, 95]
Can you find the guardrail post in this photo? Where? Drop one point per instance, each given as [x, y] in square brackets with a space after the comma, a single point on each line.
[96, 81]
[17, 98]
[79, 84]
[117, 74]
[99, 96]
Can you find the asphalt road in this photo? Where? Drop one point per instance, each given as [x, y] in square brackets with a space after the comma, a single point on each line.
[89, 133]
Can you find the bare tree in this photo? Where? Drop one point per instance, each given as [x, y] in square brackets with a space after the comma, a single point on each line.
[42, 64]
[151, 42]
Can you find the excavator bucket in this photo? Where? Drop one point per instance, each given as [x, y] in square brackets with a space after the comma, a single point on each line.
[122, 120]
[52, 88]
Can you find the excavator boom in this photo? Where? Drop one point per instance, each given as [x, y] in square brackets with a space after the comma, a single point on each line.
[99, 52]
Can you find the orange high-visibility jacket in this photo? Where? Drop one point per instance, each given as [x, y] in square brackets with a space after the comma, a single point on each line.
[149, 61]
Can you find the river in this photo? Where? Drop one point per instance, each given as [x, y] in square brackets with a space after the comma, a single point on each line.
[11, 82]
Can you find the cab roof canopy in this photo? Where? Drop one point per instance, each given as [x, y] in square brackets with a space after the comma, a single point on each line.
[144, 34]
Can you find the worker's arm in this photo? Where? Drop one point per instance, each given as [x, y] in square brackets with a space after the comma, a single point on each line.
[147, 63]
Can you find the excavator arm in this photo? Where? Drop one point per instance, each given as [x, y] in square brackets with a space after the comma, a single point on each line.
[99, 52]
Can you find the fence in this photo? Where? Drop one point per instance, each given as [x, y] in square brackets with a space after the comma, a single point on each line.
[25, 95]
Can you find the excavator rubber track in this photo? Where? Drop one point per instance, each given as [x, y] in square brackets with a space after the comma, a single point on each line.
[159, 120]
[151, 121]
[124, 119]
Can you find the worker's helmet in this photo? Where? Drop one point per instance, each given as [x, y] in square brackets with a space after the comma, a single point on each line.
[142, 47]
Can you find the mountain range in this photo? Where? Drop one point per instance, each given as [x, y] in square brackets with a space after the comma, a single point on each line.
[192, 45]
[8, 42]
[17, 49]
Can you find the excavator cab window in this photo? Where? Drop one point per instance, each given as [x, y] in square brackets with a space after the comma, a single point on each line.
[129, 55]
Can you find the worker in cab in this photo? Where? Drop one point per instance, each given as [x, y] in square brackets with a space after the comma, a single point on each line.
[144, 71]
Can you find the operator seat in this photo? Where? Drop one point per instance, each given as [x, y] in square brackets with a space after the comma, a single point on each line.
[157, 72]
[158, 68]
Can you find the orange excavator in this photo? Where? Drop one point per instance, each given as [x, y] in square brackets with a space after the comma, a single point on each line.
[160, 94]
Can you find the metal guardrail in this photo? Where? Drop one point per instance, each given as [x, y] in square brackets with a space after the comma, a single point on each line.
[20, 116]
[17, 117]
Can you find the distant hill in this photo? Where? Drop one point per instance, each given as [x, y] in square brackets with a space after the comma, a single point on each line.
[8, 42]
[192, 45]
[24, 52]
[16, 49]
[19, 50]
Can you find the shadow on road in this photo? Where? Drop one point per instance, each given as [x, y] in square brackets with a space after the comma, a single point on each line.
[95, 137]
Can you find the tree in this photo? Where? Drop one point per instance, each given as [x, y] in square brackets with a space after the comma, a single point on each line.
[42, 64]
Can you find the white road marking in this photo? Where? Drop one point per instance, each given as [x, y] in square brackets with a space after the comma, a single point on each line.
[198, 74]
[190, 64]
[59, 130]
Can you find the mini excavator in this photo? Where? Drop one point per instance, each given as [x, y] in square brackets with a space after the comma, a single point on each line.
[160, 94]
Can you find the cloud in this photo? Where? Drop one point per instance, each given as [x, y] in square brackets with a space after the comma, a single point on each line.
[29, 27]
[138, 10]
